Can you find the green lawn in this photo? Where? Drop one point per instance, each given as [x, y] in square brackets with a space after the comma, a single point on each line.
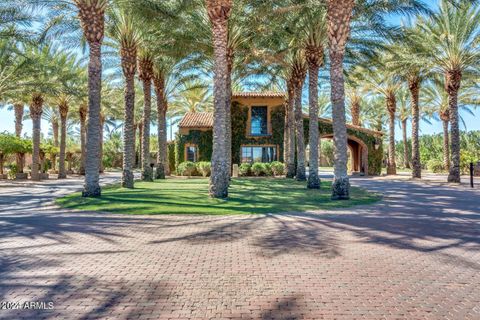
[190, 196]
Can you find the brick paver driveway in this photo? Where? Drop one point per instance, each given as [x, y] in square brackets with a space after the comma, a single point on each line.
[415, 255]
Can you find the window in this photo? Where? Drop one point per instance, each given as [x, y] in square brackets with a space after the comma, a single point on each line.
[191, 153]
[258, 124]
[259, 154]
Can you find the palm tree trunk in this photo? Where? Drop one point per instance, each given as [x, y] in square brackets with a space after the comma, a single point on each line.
[452, 84]
[219, 12]
[355, 110]
[129, 133]
[55, 130]
[391, 107]
[301, 175]
[83, 142]
[406, 158]
[446, 146]
[414, 87]
[339, 13]
[313, 140]
[83, 136]
[19, 109]
[63, 142]
[147, 170]
[290, 131]
[162, 106]
[92, 148]
[140, 139]
[102, 124]
[35, 114]
[230, 59]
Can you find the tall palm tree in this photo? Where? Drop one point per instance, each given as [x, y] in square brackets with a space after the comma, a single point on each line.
[380, 80]
[339, 13]
[162, 107]
[170, 82]
[436, 102]
[63, 102]
[299, 73]
[91, 14]
[450, 38]
[129, 39]
[218, 13]
[404, 115]
[314, 53]
[413, 68]
[36, 108]
[145, 73]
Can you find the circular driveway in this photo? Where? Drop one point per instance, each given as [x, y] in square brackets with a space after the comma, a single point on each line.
[414, 255]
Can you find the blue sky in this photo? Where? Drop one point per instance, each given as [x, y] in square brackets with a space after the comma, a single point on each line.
[471, 122]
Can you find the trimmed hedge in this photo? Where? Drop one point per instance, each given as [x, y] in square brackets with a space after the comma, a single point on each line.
[187, 168]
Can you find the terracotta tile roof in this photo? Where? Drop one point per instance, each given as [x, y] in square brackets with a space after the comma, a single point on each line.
[267, 94]
[205, 120]
[197, 120]
[349, 126]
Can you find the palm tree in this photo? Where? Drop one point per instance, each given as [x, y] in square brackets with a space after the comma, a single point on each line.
[413, 68]
[82, 115]
[436, 102]
[299, 73]
[63, 102]
[129, 39]
[218, 13]
[380, 80]
[403, 115]
[339, 13]
[36, 113]
[314, 53]
[170, 82]
[451, 40]
[145, 73]
[92, 14]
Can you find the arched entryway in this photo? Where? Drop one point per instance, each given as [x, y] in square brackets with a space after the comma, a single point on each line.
[359, 154]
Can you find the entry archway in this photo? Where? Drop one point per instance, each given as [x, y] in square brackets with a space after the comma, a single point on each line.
[359, 153]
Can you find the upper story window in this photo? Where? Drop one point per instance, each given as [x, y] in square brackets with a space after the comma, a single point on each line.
[259, 120]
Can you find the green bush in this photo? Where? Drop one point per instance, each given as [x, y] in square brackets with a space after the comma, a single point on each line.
[268, 169]
[204, 167]
[258, 168]
[186, 168]
[12, 174]
[278, 168]
[435, 165]
[244, 169]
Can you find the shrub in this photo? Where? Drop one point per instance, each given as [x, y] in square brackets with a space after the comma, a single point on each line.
[268, 169]
[204, 167]
[244, 169]
[12, 174]
[258, 168]
[465, 158]
[435, 165]
[278, 168]
[186, 168]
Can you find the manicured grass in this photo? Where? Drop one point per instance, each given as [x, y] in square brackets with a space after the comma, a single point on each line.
[190, 196]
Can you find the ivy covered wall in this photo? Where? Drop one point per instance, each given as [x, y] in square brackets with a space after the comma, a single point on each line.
[239, 131]
[203, 139]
